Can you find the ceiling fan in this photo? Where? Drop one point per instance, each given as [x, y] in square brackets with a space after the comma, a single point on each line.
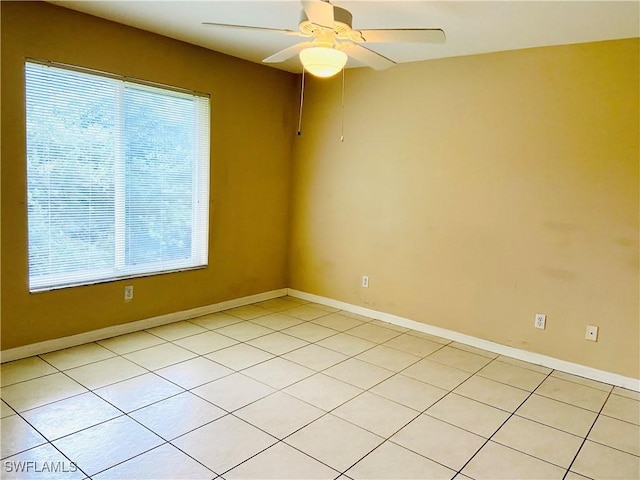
[331, 39]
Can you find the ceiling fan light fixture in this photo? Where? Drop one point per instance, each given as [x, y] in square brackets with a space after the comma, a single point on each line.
[323, 61]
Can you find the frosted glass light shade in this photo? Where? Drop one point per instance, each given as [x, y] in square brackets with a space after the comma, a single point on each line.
[323, 61]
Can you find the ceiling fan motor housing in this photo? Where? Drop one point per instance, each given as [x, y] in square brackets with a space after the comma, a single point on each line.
[341, 24]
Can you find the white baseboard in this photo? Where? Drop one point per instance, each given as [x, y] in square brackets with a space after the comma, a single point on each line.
[531, 357]
[108, 332]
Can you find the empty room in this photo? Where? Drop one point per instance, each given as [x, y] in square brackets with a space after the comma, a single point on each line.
[320, 240]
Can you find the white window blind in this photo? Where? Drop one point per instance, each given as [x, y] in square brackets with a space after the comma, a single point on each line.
[117, 177]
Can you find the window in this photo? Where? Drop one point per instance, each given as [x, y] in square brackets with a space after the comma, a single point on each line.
[117, 177]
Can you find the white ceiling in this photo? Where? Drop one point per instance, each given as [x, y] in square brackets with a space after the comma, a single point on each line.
[471, 27]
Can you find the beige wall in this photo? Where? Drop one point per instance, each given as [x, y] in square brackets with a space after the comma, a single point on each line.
[477, 191]
[253, 118]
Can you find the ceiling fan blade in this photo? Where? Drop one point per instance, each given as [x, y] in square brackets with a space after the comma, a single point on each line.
[249, 27]
[319, 12]
[369, 57]
[404, 35]
[287, 53]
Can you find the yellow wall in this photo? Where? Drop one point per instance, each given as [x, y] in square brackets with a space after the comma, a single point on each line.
[252, 125]
[477, 191]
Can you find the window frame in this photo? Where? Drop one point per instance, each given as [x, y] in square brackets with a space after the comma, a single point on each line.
[200, 194]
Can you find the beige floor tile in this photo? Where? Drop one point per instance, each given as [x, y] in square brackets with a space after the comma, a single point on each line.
[194, 372]
[244, 331]
[574, 476]
[495, 462]
[624, 392]
[278, 372]
[233, 392]
[523, 364]
[40, 391]
[603, 463]
[358, 373]
[239, 356]
[214, 321]
[177, 330]
[512, 375]
[5, 410]
[138, 392]
[281, 461]
[224, 443]
[192, 411]
[77, 356]
[373, 333]
[248, 312]
[409, 392]
[376, 414]
[389, 358]
[546, 443]
[160, 356]
[105, 445]
[323, 391]
[276, 321]
[309, 331]
[456, 358]
[277, 304]
[346, 344]
[334, 442]
[338, 322]
[131, 342]
[556, 414]
[428, 336]
[44, 454]
[278, 343]
[326, 308]
[71, 415]
[204, 343]
[617, 434]
[165, 462]
[573, 393]
[391, 461]
[470, 349]
[622, 408]
[414, 345]
[582, 381]
[279, 414]
[465, 413]
[105, 372]
[17, 436]
[25, 369]
[493, 393]
[390, 326]
[451, 446]
[315, 357]
[357, 316]
[306, 312]
[299, 301]
[436, 374]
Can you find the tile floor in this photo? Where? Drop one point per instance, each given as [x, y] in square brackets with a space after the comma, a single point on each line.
[290, 389]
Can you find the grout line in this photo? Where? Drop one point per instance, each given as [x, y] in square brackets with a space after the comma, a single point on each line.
[496, 431]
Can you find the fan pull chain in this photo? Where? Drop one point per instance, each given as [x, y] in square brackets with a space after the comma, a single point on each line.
[342, 125]
[301, 103]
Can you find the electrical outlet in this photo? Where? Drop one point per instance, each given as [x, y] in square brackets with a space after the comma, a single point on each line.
[592, 333]
[540, 321]
[128, 292]
[365, 281]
